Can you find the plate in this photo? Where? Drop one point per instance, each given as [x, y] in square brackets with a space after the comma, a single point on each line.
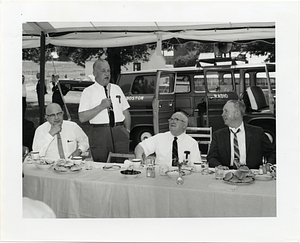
[186, 172]
[264, 177]
[67, 171]
[239, 183]
[111, 167]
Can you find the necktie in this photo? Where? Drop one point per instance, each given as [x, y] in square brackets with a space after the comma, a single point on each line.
[175, 152]
[110, 111]
[60, 147]
[236, 145]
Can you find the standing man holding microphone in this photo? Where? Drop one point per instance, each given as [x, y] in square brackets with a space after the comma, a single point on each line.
[105, 106]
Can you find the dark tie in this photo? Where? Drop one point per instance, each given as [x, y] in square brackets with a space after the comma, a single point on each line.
[236, 145]
[175, 152]
[60, 147]
[110, 111]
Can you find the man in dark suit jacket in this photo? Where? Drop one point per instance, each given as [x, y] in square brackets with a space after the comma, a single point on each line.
[253, 143]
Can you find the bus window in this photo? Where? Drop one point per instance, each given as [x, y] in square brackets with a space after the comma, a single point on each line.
[166, 84]
[219, 82]
[199, 83]
[143, 85]
[183, 84]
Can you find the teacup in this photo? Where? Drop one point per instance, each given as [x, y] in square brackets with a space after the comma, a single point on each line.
[198, 166]
[136, 163]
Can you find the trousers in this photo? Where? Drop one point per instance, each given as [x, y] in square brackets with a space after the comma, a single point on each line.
[107, 139]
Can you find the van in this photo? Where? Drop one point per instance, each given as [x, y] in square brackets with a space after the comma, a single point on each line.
[200, 92]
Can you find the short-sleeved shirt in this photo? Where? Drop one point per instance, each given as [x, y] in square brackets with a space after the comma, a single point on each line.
[94, 94]
[161, 144]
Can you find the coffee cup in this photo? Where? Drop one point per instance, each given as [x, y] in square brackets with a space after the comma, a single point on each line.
[198, 166]
[77, 160]
[35, 155]
[136, 163]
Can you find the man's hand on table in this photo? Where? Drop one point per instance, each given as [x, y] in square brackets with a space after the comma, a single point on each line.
[77, 152]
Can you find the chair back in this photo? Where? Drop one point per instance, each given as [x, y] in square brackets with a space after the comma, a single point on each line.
[203, 135]
[257, 98]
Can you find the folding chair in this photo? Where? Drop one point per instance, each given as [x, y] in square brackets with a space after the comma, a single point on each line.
[118, 155]
[203, 135]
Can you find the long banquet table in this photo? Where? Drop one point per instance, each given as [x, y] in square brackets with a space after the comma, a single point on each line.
[99, 193]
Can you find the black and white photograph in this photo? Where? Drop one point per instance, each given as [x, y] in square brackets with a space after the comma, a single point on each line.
[150, 121]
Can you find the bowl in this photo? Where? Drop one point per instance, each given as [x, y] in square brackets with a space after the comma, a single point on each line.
[172, 174]
[130, 173]
[44, 164]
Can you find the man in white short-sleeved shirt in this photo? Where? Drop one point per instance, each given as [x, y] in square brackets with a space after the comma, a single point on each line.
[162, 144]
[97, 103]
[74, 141]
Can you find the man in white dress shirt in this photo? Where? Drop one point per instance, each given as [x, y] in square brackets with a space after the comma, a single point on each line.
[46, 139]
[162, 144]
[106, 108]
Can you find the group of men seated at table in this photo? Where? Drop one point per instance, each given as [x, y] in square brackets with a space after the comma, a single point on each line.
[238, 140]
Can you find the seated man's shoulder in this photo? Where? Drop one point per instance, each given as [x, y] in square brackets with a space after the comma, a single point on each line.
[71, 123]
[253, 128]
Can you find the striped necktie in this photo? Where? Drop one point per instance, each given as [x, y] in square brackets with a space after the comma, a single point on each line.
[175, 152]
[110, 110]
[236, 145]
[60, 147]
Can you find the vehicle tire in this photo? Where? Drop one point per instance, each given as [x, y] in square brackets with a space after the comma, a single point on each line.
[141, 133]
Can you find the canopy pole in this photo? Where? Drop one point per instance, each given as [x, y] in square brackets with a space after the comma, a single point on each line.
[42, 78]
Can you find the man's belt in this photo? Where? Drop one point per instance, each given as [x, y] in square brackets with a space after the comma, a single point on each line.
[107, 125]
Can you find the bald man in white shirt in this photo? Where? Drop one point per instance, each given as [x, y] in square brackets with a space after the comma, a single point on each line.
[98, 102]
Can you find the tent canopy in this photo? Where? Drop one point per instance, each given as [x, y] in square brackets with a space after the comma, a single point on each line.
[114, 34]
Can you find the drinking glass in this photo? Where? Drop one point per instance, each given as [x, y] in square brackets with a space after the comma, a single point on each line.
[88, 163]
[219, 172]
[205, 170]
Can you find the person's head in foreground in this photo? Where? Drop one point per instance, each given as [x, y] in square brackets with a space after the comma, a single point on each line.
[233, 112]
[178, 123]
[101, 71]
[54, 114]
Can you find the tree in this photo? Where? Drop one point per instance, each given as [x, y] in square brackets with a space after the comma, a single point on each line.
[116, 57]
[33, 54]
[193, 49]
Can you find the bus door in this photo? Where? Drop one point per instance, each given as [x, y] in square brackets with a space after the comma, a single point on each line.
[164, 101]
[219, 89]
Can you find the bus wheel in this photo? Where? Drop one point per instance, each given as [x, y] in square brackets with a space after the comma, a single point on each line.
[141, 134]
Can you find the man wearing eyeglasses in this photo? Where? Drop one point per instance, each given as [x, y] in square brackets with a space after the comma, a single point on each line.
[58, 138]
[162, 144]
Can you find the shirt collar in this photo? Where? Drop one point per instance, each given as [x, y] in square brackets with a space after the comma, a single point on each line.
[241, 127]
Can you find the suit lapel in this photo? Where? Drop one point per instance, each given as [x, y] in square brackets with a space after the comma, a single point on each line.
[226, 138]
[248, 138]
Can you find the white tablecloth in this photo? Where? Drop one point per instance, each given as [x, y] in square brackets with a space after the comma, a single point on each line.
[108, 194]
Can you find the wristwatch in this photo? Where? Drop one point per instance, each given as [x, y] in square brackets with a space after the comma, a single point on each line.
[128, 130]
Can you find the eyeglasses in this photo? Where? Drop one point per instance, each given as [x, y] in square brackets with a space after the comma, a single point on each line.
[54, 115]
[175, 120]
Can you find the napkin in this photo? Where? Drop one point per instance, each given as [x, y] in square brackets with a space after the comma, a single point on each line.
[127, 163]
[222, 187]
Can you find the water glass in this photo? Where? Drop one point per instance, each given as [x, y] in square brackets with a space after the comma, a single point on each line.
[88, 163]
[219, 172]
[205, 170]
[163, 169]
